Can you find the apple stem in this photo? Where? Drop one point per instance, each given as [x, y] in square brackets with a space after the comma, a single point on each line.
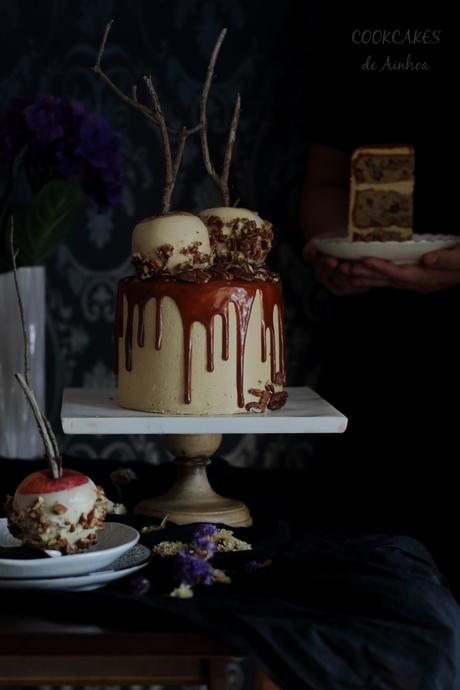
[44, 427]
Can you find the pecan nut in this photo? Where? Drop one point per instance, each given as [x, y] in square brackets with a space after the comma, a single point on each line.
[278, 400]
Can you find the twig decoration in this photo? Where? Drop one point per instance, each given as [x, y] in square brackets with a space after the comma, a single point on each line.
[49, 440]
[20, 305]
[155, 115]
[220, 180]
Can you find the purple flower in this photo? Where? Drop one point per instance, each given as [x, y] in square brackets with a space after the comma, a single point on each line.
[252, 567]
[44, 120]
[139, 586]
[192, 570]
[202, 541]
[65, 141]
[205, 530]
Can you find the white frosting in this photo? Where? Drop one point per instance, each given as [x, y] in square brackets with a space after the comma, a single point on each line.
[229, 213]
[67, 520]
[78, 500]
[179, 230]
[156, 381]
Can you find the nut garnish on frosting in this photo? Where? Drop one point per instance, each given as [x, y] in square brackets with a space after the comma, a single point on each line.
[170, 244]
[238, 235]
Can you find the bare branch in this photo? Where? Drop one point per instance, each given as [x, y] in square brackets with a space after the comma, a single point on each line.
[229, 151]
[52, 438]
[100, 52]
[180, 150]
[126, 99]
[160, 120]
[155, 115]
[20, 305]
[49, 450]
[204, 108]
[220, 180]
[44, 427]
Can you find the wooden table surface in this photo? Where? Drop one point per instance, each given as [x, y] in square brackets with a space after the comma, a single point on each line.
[34, 651]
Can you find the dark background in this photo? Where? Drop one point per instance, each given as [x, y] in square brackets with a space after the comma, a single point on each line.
[49, 46]
[301, 79]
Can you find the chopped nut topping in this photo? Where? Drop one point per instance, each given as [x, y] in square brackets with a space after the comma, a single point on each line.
[59, 509]
[254, 407]
[278, 400]
[267, 398]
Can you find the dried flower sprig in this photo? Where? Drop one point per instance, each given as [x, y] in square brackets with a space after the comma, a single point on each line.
[193, 561]
[44, 427]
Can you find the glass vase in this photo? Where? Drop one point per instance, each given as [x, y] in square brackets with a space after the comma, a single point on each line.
[19, 437]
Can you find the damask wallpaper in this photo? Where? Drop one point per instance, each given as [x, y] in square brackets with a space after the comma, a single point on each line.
[49, 46]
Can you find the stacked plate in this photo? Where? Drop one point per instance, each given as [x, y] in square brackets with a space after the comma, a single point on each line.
[116, 554]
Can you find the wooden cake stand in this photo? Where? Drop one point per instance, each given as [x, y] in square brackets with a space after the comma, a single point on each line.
[191, 498]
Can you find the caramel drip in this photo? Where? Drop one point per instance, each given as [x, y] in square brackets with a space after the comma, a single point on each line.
[281, 340]
[210, 345]
[118, 325]
[158, 323]
[129, 334]
[268, 323]
[140, 328]
[202, 303]
[263, 334]
[225, 335]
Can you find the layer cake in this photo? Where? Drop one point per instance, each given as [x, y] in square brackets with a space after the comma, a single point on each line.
[381, 195]
[203, 338]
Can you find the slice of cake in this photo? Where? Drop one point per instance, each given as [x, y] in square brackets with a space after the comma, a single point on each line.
[381, 195]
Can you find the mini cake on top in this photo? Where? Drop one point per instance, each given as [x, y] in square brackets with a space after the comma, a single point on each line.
[170, 244]
[238, 235]
[381, 195]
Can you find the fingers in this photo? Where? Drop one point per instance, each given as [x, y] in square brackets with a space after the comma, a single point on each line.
[447, 259]
[419, 278]
[409, 274]
[373, 282]
[359, 270]
[339, 283]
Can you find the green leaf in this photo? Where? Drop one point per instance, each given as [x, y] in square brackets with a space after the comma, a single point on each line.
[42, 224]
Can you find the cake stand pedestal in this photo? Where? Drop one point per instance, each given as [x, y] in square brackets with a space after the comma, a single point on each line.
[191, 498]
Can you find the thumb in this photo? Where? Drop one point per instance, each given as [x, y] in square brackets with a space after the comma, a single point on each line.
[448, 259]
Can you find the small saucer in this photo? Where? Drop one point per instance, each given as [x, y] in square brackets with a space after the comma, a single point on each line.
[130, 562]
[408, 252]
[112, 542]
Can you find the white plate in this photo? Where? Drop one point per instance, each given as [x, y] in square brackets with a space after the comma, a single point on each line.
[408, 252]
[113, 541]
[136, 558]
